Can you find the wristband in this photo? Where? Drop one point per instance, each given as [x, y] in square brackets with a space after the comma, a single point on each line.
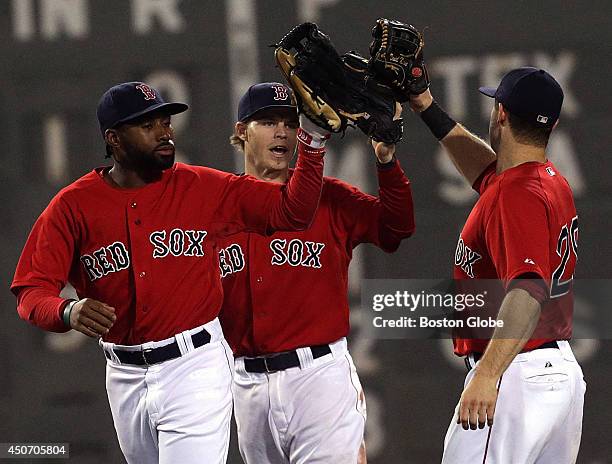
[67, 311]
[310, 134]
[438, 121]
[311, 140]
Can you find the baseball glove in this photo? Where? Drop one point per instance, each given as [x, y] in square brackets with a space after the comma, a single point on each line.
[396, 58]
[332, 90]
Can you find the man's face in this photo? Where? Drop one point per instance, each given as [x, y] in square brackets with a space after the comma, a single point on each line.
[270, 139]
[494, 128]
[147, 143]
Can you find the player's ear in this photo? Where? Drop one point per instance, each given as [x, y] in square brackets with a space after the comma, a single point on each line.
[111, 137]
[240, 129]
[502, 115]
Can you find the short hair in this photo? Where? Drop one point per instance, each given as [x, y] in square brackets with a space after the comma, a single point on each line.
[528, 132]
[236, 142]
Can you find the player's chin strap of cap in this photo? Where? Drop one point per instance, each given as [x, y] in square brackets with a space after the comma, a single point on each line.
[281, 361]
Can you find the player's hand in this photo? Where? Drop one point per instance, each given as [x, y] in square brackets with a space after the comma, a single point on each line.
[477, 404]
[91, 317]
[385, 151]
[419, 103]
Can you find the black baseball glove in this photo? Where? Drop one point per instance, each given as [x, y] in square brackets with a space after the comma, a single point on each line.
[333, 91]
[396, 58]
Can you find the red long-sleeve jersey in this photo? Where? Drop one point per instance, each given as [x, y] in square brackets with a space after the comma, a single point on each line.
[289, 290]
[151, 252]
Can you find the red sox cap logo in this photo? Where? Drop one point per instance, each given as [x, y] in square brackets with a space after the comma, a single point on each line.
[148, 92]
[280, 92]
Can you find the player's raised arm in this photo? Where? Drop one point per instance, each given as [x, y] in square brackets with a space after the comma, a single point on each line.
[300, 196]
[397, 62]
[253, 205]
[384, 220]
[468, 152]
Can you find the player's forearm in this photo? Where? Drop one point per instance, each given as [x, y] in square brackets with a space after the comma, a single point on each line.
[396, 220]
[468, 152]
[300, 197]
[42, 308]
[520, 313]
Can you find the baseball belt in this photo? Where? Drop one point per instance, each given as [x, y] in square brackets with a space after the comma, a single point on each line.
[282, 361]
[476, 356]
[150, 356]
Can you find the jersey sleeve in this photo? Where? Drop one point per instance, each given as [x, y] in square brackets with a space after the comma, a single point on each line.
[251, 205]
[517, 234]
[483, 180]
[44, 267]
[384, 221]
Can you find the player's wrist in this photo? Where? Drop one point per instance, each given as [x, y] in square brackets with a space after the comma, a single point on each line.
[312, 135]
[67, 311]
[484, 373]
[386, 162]
[420, 102]
[437, 120]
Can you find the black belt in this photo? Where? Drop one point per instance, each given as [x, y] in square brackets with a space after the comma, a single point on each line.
[151, 356]
[282, 361]
[477, 356]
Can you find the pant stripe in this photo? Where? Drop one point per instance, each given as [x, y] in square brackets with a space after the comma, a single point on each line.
[484, 459]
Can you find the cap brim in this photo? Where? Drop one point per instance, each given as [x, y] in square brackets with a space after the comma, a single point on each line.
[488, 91]
[293, 107]
[170, 108]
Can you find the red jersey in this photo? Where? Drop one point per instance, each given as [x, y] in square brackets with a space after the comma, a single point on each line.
[289, 290]
[151, 252]
[524, 222]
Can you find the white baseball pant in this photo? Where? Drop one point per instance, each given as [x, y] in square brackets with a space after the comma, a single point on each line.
[538, 416]
[311, 414]
[177, 411]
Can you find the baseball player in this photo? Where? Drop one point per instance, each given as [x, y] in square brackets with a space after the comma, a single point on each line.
[297, 396]
[138, 241]
[523, 396]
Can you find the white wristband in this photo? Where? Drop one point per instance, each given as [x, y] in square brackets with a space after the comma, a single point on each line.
[311, 134]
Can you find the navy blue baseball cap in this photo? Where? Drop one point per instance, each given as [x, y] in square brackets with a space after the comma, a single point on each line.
[530, 93]
[130, 100]
[265, 95]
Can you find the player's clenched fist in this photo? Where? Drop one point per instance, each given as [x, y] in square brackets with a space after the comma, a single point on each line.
[91, 317]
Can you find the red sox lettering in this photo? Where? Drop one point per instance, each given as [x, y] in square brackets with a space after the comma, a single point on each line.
[115, 257]
[465, 257]
[231, 260]
[296, 253]
[178, 242]
[107, 259]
